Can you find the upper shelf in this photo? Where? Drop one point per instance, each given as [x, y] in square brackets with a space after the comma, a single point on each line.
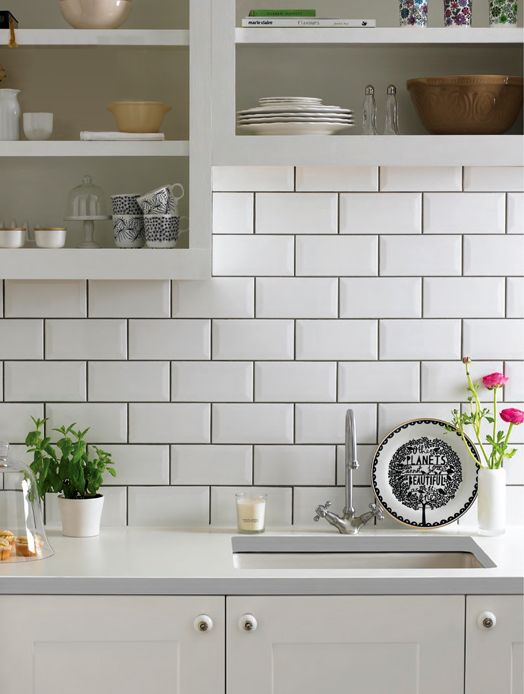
[77, 148]
[382, 36]
[97, 37]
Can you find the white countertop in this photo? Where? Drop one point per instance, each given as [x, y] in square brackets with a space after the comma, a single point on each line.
[142, 561]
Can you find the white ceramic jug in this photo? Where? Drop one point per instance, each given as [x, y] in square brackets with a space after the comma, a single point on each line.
[9, 114]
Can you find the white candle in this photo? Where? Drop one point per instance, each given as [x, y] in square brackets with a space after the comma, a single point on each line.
[251, 513]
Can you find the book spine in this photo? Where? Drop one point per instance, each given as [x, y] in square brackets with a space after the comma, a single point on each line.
[290, 23]
[283, 13]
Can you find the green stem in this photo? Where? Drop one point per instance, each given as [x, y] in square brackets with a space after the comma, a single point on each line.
[476, 426]
[508, 434]
[493, 453]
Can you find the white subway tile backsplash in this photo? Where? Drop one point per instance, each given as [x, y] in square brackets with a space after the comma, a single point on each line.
[489, 178]
[38, 381]
[381, 297]
[306, 500]
[336, 339]
[420, 255]
[297, 298]
[325, 423]
[113, 513]
[278, 505]
[336, 178]
[169, 423]
[174, 507]
[494, 339]
[337, 255]
[378, 382]
[296, 213]
[252, 423]
[253, 255]
[15, 420]
[362, 475]
[233, 213]
[291, 465]
[107, 422]
[420, 339]
[464, 213]
[515, 207]
[494, 255]
[45, 299]
[170, 339]
[212, 381]
[85, 339]
[139, 464]
[392, 415]
[139, 381]
[21, 339]
[220, 297]
[464, 297]
[515, 506]
[515, 297]
[253, 339]
[445, 381]
[224, 465]
[381, 213]
[121, 299]
[295, 381]
[515, 466]
[514, 389]
[415, 178]
[249, 178]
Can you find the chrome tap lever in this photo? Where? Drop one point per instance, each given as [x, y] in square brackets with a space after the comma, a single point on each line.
[321, 510]
[377, 512]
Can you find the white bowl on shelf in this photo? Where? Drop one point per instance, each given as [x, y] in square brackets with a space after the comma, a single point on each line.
[12, 238]
[50, 238]
[95, 14]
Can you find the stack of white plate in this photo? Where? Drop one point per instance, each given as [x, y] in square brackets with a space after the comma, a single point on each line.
[293, 115]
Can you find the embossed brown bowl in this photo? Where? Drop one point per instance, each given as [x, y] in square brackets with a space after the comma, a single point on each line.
[467, 104]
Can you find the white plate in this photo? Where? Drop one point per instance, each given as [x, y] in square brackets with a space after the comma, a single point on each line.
[316, 99]
[423, 475]
[297, 114]
[296, 120]
[286, 107]
[293, 128]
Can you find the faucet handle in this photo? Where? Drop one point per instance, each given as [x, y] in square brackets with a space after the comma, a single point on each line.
[376, 511]
[320, 511]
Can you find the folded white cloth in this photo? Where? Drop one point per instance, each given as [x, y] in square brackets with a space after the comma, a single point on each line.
[87, 135]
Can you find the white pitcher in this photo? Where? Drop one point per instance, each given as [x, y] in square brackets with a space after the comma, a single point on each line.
[9, 114]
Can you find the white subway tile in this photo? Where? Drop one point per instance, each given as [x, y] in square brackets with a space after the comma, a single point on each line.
[415, 178]
[391, 416]
[174, 507]
[86, 339]
[113, 513]
[515, 307]
[212, 381]
[337, 255]
[211, 464]
[326, 423]
[381, 297]
[420, 255]
[306, 500]
[464, 297]
[21, 339]
[169, 423]
[336, 339]
[296, 213]
[362, 475]
[253, 255]
[336, 178]
[515, 213]
[253, 339]
[170, 339]
[107, 422]
[117, 381]
[494, 255]
[46, 299]
[420, 339]
[381, 213]
[128, 299]
[514, 389]
[42, 381]
[295, 382]
[139, 464]
[253, 423]
[297, 298]
[515, 505]
[278, 505]
[378, 382]
[233, 213]
[291, 465]
[464, 213]
[492, 178]
[494, 339]
[248, 178]
[15, 420]
[220, 297]
[1, 299]
[445, 381]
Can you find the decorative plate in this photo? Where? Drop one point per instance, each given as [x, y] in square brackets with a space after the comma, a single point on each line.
[423, 475]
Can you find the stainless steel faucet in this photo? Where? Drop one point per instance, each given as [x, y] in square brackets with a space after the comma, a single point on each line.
[348, 523]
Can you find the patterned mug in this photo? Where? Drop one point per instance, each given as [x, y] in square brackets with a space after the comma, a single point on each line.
[128, 231]
[162, 200]
[503, 13]
[162, 230]
[457, 13]
[413, 13]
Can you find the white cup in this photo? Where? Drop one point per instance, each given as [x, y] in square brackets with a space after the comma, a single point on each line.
[38, 126]
[50, 238]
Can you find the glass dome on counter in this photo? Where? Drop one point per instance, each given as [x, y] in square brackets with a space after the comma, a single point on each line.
[22, 534]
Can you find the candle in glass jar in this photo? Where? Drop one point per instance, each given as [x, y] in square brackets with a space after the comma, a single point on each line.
[251, 513]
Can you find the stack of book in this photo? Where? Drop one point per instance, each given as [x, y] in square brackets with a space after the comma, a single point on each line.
[287, 19]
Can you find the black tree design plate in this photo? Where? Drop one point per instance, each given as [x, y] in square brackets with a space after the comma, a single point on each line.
[423, 475]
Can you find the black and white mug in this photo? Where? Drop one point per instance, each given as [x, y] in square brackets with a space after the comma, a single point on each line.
[128, 231]
[162, 201]
[126, 203]
[162, 230]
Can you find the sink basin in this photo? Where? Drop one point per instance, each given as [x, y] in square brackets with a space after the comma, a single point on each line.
[334, 552]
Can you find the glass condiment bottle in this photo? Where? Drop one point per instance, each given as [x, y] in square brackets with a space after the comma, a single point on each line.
[391, 124]
[369, 116]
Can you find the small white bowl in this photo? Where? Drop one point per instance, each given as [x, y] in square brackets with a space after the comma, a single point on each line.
[95, 14]
[38, 126]
[50, 238]
[12, 238]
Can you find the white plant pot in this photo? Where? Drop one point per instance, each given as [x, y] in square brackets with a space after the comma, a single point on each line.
[81, 517]
[492, 501]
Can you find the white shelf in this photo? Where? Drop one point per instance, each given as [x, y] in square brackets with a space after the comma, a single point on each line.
[382, 36]
[97, 37]
[76, 148]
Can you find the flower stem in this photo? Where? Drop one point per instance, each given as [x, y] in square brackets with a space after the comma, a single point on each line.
[493, 453]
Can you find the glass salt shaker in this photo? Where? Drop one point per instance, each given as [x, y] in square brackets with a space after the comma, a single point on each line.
[369, 116]
[391, 125]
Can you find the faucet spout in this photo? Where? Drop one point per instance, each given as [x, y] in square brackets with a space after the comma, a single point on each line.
[351, 462]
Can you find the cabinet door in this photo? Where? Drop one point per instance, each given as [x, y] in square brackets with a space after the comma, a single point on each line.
[495, 654]
[110, 645]
[371, 644]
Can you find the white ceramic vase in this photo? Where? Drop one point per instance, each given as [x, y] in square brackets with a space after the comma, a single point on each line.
[9, 114]
[492, 501]
[81, 517]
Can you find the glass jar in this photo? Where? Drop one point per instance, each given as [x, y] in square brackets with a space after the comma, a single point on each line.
[413, 13]
[503, 13]
[251, 513]
[458, 13]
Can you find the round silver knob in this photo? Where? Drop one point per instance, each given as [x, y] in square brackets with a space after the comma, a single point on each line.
[487, 620]
[248, 623]
[203, 623]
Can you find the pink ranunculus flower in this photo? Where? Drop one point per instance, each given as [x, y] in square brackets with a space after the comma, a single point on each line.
[495, 380]
[512, 415]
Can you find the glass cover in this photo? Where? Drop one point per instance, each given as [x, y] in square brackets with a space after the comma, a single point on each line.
[22, 534]
[87, 201]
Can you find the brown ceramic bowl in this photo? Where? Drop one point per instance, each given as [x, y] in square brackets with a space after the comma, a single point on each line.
[139, 116]
[467, 104]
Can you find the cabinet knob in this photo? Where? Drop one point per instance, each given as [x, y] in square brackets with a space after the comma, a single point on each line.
[487, 620]
[247, 622]
[203, 623]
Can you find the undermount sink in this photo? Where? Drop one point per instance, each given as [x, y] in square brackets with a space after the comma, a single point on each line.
[317, 552]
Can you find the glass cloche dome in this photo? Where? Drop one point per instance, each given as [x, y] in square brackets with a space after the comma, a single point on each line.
[22, 534]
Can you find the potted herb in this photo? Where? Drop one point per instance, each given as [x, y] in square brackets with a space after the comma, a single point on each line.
[67, 469]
